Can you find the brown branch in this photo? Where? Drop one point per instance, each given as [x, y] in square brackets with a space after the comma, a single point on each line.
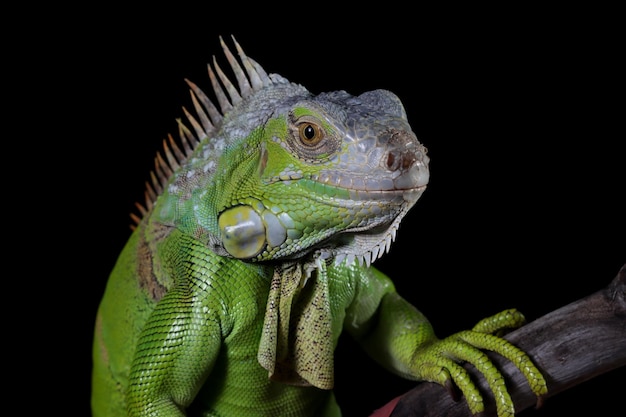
[570, 345]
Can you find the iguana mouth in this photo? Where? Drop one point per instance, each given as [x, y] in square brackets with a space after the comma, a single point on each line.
[322, 191]
[407, 194]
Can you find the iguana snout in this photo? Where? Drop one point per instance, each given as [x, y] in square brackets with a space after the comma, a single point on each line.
[407, 157]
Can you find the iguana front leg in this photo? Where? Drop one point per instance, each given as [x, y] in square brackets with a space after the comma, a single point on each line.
[402, 340]
[182, 337]
[174, 355]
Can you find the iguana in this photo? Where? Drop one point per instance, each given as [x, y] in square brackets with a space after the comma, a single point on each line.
[253, 252]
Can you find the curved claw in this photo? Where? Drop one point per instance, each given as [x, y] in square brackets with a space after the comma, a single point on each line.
[453, 390]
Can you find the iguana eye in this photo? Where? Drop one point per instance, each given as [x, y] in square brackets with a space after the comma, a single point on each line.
[311, 137]
[310, 134]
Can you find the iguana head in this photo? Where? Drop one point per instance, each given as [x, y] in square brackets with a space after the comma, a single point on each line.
[284, 173]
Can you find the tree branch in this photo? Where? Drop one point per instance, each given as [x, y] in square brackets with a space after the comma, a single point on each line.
[570, 345]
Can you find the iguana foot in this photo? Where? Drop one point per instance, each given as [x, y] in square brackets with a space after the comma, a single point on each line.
[441, 361]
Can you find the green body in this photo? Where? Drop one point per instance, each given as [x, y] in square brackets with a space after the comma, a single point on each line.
[223, 321]
[253, 254]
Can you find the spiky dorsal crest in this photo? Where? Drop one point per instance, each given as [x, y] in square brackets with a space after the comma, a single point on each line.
[249, 79]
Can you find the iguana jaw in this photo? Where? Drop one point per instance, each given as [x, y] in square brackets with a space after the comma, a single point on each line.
[366, 244]
[361, 229]
[373, 237]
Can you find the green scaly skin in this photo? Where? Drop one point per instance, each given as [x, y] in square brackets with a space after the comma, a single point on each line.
[253, 254]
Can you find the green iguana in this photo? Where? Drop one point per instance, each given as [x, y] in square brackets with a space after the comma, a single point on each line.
[253, 253]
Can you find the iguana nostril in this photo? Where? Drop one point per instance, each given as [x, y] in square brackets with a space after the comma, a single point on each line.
[396, 160]
[391, 161]
[403, 152]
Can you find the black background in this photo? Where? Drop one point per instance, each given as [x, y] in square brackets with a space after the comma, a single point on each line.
[520, 111]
